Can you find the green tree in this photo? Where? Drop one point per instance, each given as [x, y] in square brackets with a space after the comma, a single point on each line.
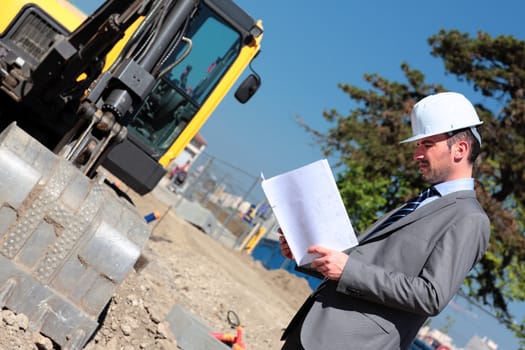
[376, 174]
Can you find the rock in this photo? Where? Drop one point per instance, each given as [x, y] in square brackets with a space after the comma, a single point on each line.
[126, 329]
[21, 321]
[41, 342]
[9, 317]
[163, 329]
[156, 315]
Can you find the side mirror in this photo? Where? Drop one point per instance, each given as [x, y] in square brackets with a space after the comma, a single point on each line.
[247, 88]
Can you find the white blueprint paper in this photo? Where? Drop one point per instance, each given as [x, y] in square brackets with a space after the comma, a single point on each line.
[309, 209]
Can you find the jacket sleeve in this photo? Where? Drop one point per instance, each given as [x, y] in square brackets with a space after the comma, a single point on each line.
[427, 293]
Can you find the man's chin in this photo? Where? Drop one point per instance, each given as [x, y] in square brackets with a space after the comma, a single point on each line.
[428, 178]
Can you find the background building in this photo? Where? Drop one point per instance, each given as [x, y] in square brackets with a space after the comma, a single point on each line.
[190, 153]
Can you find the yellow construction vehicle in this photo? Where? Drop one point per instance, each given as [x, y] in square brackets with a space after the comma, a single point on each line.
[125, 89]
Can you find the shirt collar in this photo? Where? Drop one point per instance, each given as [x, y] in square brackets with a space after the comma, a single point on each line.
[447, 187]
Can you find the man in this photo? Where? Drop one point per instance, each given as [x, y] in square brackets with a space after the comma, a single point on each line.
[377, 295]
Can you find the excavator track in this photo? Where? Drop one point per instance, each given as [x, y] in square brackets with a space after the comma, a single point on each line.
[66, 241]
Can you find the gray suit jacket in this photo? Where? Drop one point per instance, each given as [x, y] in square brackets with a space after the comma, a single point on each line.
[394, 280]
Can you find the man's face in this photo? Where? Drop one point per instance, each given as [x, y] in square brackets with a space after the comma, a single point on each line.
[434, 159]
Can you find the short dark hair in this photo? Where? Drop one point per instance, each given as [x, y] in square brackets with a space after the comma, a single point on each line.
[468, 136]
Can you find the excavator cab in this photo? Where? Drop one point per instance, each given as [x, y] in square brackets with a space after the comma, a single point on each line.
[191, 81]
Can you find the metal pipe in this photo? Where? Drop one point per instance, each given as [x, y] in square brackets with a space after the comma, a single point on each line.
[174, 21]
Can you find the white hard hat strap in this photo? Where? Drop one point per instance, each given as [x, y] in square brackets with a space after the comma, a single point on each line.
[476, 134]
[473, 129]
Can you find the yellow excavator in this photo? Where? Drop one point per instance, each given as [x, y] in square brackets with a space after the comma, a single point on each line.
[123, 89]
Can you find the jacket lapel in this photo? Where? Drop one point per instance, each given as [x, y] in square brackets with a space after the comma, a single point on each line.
[428, 209]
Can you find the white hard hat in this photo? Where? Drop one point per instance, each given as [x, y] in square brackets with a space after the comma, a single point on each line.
[442, 113]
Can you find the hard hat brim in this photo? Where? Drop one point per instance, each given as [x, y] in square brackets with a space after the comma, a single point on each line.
[422, 136]
[415, 138]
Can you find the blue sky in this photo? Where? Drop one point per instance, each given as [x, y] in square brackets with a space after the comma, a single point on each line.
[308, 48]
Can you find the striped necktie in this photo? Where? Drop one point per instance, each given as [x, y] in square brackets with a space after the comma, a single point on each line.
[409, 207]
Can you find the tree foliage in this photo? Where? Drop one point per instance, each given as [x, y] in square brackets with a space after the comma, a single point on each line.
[378, 173]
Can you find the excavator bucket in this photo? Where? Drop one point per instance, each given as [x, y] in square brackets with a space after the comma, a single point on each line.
[66, 242]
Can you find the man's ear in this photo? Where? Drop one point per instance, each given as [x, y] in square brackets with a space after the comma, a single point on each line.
[460, 150]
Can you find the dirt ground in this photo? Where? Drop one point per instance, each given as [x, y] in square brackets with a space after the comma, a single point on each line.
[188, 268]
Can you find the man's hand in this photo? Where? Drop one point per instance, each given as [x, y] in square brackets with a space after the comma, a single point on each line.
[285, 249]
[330, 263]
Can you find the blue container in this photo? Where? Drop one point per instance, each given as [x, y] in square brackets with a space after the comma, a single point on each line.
[268, 253]
[152, 216]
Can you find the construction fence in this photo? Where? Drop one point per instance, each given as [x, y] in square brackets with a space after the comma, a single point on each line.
[223, 201]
